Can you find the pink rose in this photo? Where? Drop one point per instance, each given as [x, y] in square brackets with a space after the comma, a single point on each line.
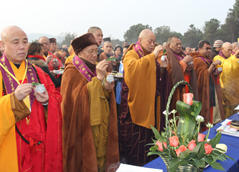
[160, 146]
[201, 137]
[188, 98]
[173, 141]
[192, 145]
[181, 148]
[208, 148]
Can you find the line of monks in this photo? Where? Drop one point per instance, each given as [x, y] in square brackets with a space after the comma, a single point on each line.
[75, 125]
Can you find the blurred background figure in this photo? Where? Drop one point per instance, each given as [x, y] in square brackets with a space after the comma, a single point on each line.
[216, 48]
[118, 52]
[35, 56]
[188, 50]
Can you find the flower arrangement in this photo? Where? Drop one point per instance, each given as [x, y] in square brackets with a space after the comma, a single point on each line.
[182, 144]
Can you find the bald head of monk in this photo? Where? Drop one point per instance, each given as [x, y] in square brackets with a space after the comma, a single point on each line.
[98, 34]
[147, 39]
[14, 44]
[227, 49]
[175, 44]
[235, 46]
[45, 44]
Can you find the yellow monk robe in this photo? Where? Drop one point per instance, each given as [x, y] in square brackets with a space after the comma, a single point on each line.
[99, 119]
[229, 80]
[140, 77]
[8, 146]
[69, 59]
[70, 50]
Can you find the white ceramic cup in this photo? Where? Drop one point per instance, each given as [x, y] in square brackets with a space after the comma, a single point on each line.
[110, 78]
[219, 69]
[163, 58]
[40, 88]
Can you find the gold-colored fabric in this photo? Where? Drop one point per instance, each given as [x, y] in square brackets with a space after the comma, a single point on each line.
[229, 79]
[9, 106]
[69, 59]
[140, 77]
[99, 118]
[216, 111]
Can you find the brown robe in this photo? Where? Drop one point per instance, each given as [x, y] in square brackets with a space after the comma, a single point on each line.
[176, 74]
[203, 80]
[79, 152]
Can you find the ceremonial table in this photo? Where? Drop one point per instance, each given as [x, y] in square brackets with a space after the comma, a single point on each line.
[233, 151]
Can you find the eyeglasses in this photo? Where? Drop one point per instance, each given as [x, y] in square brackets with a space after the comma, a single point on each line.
[208, 48]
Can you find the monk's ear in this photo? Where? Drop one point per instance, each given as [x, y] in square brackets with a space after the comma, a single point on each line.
[2, 45]
[140, 40]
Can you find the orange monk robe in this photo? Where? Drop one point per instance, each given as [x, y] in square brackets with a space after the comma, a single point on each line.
[203, 81]
[13, 150]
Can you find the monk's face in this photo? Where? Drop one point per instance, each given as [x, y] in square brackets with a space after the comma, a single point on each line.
[53, 47]
[205, 50]
[227, 50]
[176, 45]
[147, 42]
[15, 45]
[107, 47]
[188, 50]
[98, 36]
[45, 44]
[89, 53]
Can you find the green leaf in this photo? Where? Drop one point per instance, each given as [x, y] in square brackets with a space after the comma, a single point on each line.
[156, 134]
[230, 157]
[153, 148]
[164, 51]
[201, 151]
[111, 59]
[184, 154]
[199, 163]
[35, 84]
[217, 166]
[154, 153]
[173, 165]
[213, 142]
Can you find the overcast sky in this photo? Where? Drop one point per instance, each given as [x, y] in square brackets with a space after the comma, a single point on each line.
[113, 17]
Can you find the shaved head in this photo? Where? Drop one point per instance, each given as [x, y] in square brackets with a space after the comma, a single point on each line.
[227, 49]
[147, 39]
[45, 44]
[14, 44]
[235, 46]
[144, 33]
[98, 34]
[8, 30]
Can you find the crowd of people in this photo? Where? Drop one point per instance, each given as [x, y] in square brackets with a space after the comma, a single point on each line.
[84, 122]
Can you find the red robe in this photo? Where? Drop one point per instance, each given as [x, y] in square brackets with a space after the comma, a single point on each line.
[47, 156]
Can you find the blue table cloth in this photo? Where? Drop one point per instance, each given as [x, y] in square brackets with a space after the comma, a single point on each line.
[233, 151]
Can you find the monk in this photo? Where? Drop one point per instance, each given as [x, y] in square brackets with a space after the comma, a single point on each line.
[98, 34]
[209, 89]
[90, 138]
[235, 47]
[144, 96]
[107, 47]
[53, 62]
[180, 68]
[30, 121]
[229, 78]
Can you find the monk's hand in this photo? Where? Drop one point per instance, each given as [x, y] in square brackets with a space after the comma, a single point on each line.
[42, 97]
[187, 59]
[101, 69]
[216, 62]
[109, 85]
[23, 90]
[49, 58]
[164, 64]
[237, 53]
[57, 54]
[189, 68]
[157, 50]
